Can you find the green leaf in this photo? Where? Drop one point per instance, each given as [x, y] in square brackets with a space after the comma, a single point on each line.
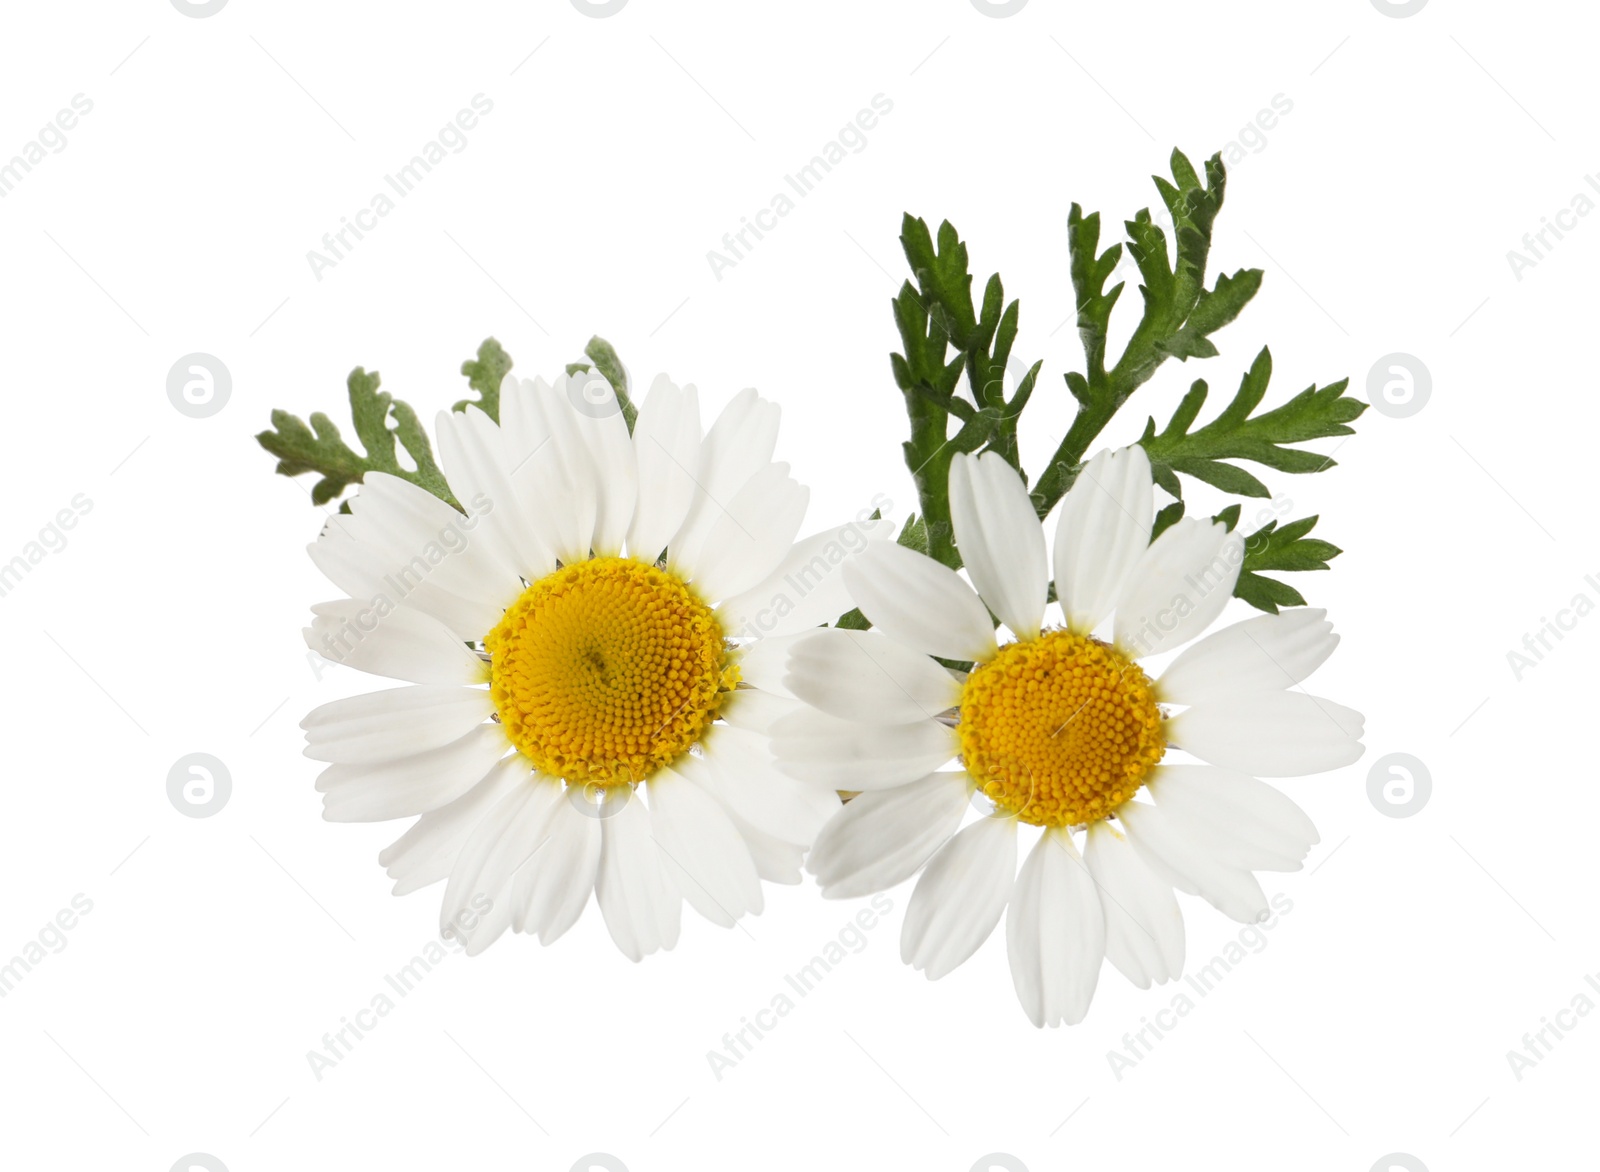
[1288, 548]
[936, 314]
[1166, 519]
[914, 534]
[949, 404]
[1281, 548]
[319, 448]
[975, 432]
[605, 359]
[1236, 434]
[941, 272]
[927, 383]
[1266, 594]
[1215, 309]
[1090, 269]
[1226, 477]
[1179, 312]
[1148, 245]
[1164, 477]
[484, 375]
[1020, 397]
[982, 336]
[853, 620]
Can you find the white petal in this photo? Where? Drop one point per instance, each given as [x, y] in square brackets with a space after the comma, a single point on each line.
[1144, 928]
[704, 850]
[1246, 822]
[776, 860]
[751, 537]
[400, 643]
[605, 429]
[1101, 531]
[738, 771]
[398, 516]
[881, 838]
[959, 898]
[847, 755]
[764, 663]
[535, 468]
[552, 888]
[378, 791]
[739, 444]
[1055, 933]
[427, 852]
[473, 453]
[558, 484]
[1165, 844]
[1001, 543]
[478, 902]
[666, 444]
[756, 710]
[408, 522]
[920, 602]
[367, 562]
[1270, 734]
[522, 427]
[642, 909]
[867, 676]
[807, 588]
[1272, 652]
[1178, 587]
[398, 722]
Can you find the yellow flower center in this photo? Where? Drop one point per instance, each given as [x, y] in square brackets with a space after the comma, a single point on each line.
[606, 670]
[1060, 730]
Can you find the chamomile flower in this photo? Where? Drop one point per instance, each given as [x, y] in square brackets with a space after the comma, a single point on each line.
[1060, 728]
[575, 642]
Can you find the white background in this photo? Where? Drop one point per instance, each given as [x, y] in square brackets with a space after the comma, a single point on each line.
[177, 218]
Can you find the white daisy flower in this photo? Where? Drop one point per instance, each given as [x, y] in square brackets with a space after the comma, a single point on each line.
[579, 646]
[1061, 730]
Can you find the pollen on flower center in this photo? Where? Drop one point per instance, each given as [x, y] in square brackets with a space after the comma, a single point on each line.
[1059, 730]
[606, 670]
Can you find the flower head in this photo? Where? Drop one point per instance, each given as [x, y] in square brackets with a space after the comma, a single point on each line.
[582, 647]
[1062, 728]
